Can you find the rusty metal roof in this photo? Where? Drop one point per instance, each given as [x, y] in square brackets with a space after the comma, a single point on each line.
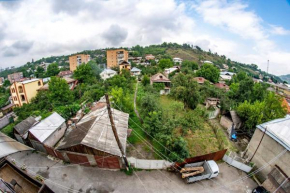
[95, 131]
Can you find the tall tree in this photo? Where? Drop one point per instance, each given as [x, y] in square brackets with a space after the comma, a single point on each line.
[165, 63]
[52, 70]
[209, 72]
[84, 74]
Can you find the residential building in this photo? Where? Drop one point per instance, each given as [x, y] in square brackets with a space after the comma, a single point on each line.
[149, 57]
[115, 57]
[207, 62]
[6, 109]
[108, 73]
[124, 65]
[72, 83]
[136, 60]
[78, 59]
[270, 146]
[167, 71]
[66, 73]
[44, 135]
[23, 92]
[177, 60]
[222, 86]
[135, 71]
[212, 102]
[15, 77]
[225, 66]
[92, 142]
[161, 79]
[200, 80]
[44, 65]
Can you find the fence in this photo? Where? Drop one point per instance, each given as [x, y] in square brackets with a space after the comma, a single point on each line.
[237, 163]
[216, 156]
[149, 164]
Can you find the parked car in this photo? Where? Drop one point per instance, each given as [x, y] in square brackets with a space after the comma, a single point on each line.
[260, 189]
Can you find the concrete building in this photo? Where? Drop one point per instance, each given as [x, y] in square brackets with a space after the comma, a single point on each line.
[177, 60]
[15, 77]
[23, 92]
[108, 73]
[115, 57]
[270, 146]
[124, 65]
[78, 59]
[135, 71]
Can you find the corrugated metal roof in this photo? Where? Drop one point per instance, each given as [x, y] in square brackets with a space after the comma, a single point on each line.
[95, 131]
[9, 146]
[47, 126]
[25, 125]
[279, 130]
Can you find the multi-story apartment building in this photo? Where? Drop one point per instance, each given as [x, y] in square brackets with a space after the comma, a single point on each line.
[15, 77]
[23, 92]
[76, 60]
[115, 57]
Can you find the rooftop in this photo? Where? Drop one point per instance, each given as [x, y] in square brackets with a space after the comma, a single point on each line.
[159, 78]
[47, 126]
[108, 71]
[94, 130]
[279, 130]
[29, 81]
[134, 69]
[25, 125]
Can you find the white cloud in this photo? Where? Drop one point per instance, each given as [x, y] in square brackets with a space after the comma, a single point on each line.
[278, 30]
[54, 27]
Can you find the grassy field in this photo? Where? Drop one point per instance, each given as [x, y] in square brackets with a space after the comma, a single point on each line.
[202, 140]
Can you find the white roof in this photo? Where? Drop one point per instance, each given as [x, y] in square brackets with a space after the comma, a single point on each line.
[227, 73]
[29, 81]
[279, 130]
[108, 71]
[9, 146]
[226, 77]
[207, 62]
[134, 69]
[47, 126]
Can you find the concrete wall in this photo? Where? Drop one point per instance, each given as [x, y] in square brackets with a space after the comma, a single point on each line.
[268, 150]
[112, 60]
[73, 63]
[149, 164]
[226, 122]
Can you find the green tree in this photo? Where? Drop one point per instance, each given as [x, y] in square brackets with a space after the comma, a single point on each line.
[6, 83]
[145, 80]
[209, 72]
[84, 74]
[165, 63]
[191, 65]
[59, 92]
[39, 72]
[52, 70]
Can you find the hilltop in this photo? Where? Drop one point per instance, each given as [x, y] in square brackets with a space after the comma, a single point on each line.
[285, 78]
[171, 50]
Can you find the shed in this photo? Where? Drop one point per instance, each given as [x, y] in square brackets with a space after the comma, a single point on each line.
[22, 128]
[48, 132]
[93, 140]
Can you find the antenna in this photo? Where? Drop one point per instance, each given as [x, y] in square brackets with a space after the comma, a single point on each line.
[268, 67]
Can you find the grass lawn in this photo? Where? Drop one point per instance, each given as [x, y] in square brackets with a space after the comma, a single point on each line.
[8, 130]
[200, 141]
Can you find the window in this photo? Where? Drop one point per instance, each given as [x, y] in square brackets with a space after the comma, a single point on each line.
[13, 90]
[20, 89]
[15, 99]
[22, 97]
[39, 83]
[160, 76]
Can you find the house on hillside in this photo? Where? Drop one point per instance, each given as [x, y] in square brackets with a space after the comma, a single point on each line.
[200, 80]
[212, 102]
[177, 60]
[108, 73]
[21, 130]
[47, 133]
[270, 145]
[124, 65]
[207, 62]
[222, 86]
[231, 119]
[161, 80]
[15, 77]
[23, 92]
[72, 83]
[135, 71]
[66, 73]
[92, 142]
[150, 57]
[167, 71]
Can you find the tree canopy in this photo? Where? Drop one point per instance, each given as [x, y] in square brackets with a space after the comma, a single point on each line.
[52, 70]
[209, 72]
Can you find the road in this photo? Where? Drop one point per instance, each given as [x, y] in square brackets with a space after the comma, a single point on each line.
[80, 179]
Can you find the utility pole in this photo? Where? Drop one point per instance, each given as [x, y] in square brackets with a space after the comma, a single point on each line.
[115, 132]
[258, 145]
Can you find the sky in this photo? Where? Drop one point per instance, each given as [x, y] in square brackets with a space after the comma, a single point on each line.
[247, 31]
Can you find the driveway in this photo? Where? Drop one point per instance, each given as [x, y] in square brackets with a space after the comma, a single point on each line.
[80, 179]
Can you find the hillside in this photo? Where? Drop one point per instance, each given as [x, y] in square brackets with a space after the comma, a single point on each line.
[286, 78]
[185, 51]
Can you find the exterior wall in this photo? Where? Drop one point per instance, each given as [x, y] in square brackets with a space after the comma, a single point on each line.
[15, 77]
[126, 67]
[113, 59]
[76, 60]
[268, 150]
[105, 76]
[28, 91]
[226, 122]
[56, 136]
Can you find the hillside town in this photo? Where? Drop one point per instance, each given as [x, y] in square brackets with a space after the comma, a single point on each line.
[143, 115]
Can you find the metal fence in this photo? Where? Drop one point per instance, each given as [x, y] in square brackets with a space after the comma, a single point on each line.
[237, 163]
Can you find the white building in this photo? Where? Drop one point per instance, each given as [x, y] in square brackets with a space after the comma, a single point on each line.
[177, 60]
[167, 71]
[207, 62]
[107, 73]
[135, 71]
